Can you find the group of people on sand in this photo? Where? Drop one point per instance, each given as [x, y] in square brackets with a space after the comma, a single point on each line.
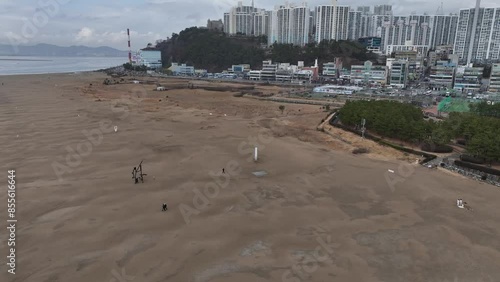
[137, 174]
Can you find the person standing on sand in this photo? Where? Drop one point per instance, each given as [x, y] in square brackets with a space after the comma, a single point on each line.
[223, 170]
[164, 207]
[134, 175]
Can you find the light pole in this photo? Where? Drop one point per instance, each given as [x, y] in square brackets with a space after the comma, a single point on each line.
[363, 128]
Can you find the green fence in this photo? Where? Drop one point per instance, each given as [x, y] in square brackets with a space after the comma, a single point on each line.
[450, 104]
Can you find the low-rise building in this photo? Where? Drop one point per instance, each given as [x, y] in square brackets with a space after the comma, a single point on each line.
[442, 74]
[182, 69]
[345, 74]
[150, 58]
[268, 72]
[200, 72]
[254, 75]
[368, 74]
[303, 75]
[239, 69]
[421, 50]
[441, 53]
[332, 69]
[371, 43]
[215, 25]
[495, 78]
[399, 73]
[415, 61]
[284, 75]
[468, 79]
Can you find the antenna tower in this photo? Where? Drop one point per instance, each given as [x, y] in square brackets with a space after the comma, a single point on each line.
[129, 48]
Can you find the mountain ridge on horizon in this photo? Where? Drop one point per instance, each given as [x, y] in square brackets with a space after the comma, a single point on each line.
[50, 50]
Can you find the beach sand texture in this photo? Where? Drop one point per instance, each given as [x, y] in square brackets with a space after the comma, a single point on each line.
[317, 200]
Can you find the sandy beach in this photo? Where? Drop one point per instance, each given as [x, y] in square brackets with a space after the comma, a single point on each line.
[319, 214]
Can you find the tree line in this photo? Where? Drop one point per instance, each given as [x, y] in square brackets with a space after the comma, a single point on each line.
[217, 51]
[479, 129]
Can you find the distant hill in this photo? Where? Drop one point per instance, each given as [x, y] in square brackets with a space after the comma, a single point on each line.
[211, 50]
[217, 51]
[58, 51]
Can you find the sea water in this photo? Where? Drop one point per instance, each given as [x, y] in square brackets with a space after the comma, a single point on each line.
[10, 65]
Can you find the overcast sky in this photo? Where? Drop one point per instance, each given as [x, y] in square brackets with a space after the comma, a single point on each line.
[104, 22]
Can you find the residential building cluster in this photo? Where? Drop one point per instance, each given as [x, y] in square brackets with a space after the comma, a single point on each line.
[447, 45]
[398, 72]
[474, 33]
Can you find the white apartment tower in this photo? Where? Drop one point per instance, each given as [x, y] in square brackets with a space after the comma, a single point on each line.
[291, 24]
[354, 25]
[365, 10]
[444, 29]
[478, 34]
[382, 10]
[301, 19]
[261, 22]
[332, 22]
[240, 19]
[407, 30]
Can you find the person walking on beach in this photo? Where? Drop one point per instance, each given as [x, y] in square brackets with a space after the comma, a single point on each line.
[164, 208]
[134, 175]
[223, 170]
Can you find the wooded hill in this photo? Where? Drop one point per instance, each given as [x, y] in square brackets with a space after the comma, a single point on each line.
[216, 51]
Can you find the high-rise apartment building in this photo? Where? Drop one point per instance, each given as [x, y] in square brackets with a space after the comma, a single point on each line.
[374, 24]
[407, 30]
[354, 25]
[365, 10]
[301, 19]
[239, 20]
[382, 10]
[478, 34]
[332, 22]
[418, 32]
[261, 22]
[291, 24]
[444, 29]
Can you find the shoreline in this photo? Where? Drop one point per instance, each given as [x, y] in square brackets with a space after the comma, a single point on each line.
[41, 74]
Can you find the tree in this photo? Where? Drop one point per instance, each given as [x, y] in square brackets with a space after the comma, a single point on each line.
[127, 66]
[440, 136]
[282, 108]
[216, 51]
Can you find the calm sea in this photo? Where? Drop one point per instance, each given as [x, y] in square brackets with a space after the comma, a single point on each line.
[34, 65]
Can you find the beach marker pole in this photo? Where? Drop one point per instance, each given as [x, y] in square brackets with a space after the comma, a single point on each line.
[255, 154]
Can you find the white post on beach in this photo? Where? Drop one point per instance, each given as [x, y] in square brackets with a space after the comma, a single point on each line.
[255, 154]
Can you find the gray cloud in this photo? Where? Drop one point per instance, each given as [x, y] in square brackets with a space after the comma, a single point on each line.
[106, 23]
